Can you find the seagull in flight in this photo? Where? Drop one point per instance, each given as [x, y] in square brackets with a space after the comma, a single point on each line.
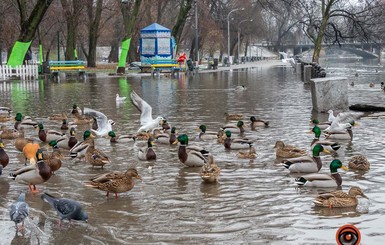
[146, 121]
[104, 124]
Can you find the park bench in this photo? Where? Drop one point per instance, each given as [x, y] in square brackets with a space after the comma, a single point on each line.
[66, 65]
[158, 65]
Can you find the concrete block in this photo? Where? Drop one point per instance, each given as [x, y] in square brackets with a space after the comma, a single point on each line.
[329, 93]
[307, 73]
[298, 67]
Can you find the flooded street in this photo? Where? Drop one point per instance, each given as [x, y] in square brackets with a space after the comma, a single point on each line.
[254, 202]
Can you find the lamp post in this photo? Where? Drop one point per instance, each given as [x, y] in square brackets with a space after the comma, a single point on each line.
[239, 34]
[228, 33]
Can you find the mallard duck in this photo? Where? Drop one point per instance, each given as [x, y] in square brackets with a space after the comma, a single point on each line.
[258, 123]
[33, 175]
[116, 181]
[30, 152]
[26, 122]
[5, 118]
[147, 153]
[66, 142]
[48, 135]
[21, 141]
[323, 180]
[359, 162]
[4, 158]
[6, 133]
[339, 199]
[305, 164]
[238, 128]
[371, 85]
[321, 125]
[76, 111]
[346, 134]
[121, 138]
[251, 153]
[210, 170]
[236, 144]
[166, 138]
[146, 121]
[95, 157]
[236, 117]
[240, 88]
[206, 135]
[79, 120]
[53, 159]
[58, 117]
[190, 156]
[64, 125]
[80, 148]
[287, 151]
[329, 145]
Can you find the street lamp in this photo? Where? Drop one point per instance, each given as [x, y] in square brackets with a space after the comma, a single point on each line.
[239, 33]
[228, 33]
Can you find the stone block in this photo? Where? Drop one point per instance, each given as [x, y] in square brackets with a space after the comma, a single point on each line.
[307, 73]
[329, 93]
[298, 67]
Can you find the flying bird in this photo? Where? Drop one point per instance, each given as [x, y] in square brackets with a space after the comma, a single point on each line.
[19, 211]
[66, 208]
[146, 120]
[104, 124]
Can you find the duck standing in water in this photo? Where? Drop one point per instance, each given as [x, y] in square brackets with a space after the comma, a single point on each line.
[190, 156]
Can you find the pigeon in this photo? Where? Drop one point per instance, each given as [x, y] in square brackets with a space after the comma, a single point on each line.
[146, 121]
[104, 124]
[18, 211]
[66, 208]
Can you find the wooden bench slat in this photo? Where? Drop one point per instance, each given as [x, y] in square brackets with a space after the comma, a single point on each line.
[66, 67]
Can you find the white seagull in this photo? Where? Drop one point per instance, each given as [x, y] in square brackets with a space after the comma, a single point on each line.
[104, 124]
[146, 121]
[120, 99]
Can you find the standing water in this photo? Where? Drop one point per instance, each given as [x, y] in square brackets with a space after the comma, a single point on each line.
[254, 202]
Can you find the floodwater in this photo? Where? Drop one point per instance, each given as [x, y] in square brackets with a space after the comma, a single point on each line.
[255, 202]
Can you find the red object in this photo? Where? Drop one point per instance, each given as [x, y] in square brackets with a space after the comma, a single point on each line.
[182, 58]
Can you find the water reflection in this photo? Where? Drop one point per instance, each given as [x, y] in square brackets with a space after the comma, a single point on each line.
[255, 201]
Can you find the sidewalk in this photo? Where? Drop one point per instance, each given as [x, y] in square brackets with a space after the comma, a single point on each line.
[263, 64]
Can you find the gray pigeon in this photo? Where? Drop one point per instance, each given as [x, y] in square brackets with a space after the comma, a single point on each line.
[66, 208]
[18, 211]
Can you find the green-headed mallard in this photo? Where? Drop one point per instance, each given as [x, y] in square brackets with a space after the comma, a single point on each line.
[339, 199]
[210, 170]
[288, 151]
[236, 117]
[359, 162]
[4, 158]
[165, 138]
[323, 180]
[258, 123]
[116, 181]
[7, 133]
[121, 138]
[53, 159]
[305, 164]
[329, 145]
[26, 122]
[238, 128]
[79, 150]
[321, 125]
[190, 156]
[64, 125]
[48, 135]
[76, 111]
[251, 153]
[66, 142]
[30, 152]
[147, 153]
[206, 135]
[236, 144]
[35, 174]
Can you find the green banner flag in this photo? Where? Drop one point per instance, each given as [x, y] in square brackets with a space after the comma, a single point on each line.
[18, 53]
[124, 53]
[40, 54]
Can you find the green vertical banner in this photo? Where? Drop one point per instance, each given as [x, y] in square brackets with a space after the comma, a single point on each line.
[18, 53]
[124, 53]
[40, 54]
[75, 54]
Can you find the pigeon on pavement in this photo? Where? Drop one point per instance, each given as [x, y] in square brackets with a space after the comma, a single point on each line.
[18, 211]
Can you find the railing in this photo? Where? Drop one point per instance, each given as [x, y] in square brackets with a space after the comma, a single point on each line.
[24, 72]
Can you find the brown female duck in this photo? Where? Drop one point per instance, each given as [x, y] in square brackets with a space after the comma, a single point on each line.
[339, 199]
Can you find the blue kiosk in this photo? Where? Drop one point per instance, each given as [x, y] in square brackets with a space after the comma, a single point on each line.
[157, 48]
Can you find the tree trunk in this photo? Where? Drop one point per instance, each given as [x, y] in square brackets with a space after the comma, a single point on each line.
[71, 14]
[129, 22]
[321, 31]
[94, 22]
[185, 6]
[28, 29]
[114, 52]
